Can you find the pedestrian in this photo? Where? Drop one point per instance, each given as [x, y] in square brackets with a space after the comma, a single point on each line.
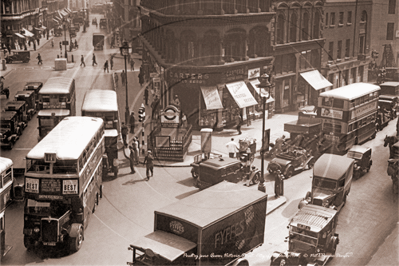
[148, 161]
[112, 61]
[132, 122]
[177, 101]
[82, 61]
[39, 58]
[141, 78]
[136, 146]
[106, 66]
[154, 107]
[125, 131]
[131, 159]
[238, 123]
[131, 64]
[278, 184]
[94, 59]
[76, 44]
[52, 43]
[60, 46]
[232, 147]
[248, 117]
[146, 96]
[123, 77]
[116, 79]
[34, 45]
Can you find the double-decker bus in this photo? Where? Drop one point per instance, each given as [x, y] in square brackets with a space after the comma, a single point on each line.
[63, 183]
[56, 100]
[6, 184]
[104, 104]
[348, 115]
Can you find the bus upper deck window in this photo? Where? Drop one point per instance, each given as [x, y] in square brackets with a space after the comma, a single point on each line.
[338, 103]
[63, 99]
[46, 99]
[326, 101]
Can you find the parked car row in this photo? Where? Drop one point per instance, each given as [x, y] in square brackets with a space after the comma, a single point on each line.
[18, 113]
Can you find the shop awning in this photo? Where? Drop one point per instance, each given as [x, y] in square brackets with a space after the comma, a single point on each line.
[211, 98]
[254, 84]
[316, 80]
[63, 13]
[241, 94]
[166, 245]
[39, 29]
[57, 21]
[28, 33]
[19, 35]
[67, 10]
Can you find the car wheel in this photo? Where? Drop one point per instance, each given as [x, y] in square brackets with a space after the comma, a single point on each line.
[256, 178]
[271, 171]
[194, 173]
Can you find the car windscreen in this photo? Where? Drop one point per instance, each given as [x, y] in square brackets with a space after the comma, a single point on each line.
[354, 155]
[324, 183]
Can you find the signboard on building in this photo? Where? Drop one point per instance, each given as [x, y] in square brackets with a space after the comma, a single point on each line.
[170, 116]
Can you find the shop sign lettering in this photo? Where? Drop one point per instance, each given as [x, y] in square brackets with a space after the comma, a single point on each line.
[229, 233]
[364, 109]
[189, 77]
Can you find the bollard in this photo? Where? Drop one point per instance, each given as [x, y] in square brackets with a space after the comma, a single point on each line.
[72, 57]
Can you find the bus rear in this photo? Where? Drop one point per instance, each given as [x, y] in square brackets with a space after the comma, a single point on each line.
[348, 116]
[104, 104]
[63, 185]
[56, 100]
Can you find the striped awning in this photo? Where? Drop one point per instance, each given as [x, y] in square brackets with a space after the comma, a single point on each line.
[67, 10]
[28, 33]
[64, 13]
[19, 35]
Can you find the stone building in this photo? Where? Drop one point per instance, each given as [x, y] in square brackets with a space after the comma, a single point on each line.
[210, 54]
[347, 29]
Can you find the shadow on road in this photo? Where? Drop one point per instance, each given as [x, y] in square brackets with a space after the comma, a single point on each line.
[291, 208]
[184, 195]
[188, 182]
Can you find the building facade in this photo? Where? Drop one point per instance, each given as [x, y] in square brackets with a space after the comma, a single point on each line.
[209, 54]
[298, 46]
[385, 32]
[347, 29]
[127, 18]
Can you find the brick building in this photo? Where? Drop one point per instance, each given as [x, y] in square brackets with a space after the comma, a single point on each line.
[347, 29]
[210, 54]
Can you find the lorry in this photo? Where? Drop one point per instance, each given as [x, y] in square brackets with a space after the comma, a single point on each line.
[307, 124]
[312, 239]
[98, 41]
[216, 226]
[9, 129]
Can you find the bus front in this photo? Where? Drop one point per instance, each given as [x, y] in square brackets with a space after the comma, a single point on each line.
[52, 195]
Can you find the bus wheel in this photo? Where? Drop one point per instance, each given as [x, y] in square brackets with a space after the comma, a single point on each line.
[75, 243]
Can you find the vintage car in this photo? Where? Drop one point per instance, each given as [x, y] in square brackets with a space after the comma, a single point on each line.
[72, 31]
[216, 170]
[362, 157]
[34, 86]
[18, 56]
[198, 159]
[103, 23]
[21, 108]
[312, 238]
[332, 180]
[291, 162]
[29, 98]
[9, 129]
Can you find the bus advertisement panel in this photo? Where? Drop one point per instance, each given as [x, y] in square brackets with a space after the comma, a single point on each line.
[56, 100]
[104, 104]
[348, 116]
[63, 185]
[6, 184]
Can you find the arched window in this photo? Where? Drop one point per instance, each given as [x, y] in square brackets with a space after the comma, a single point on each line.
[316, 25]
[293, 27]
[305, 26]
[211, 47]
[234, 45]
[188, 46]
[280, 29]
[259, 42]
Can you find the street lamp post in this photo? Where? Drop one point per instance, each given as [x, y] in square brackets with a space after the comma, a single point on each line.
[125, 52]
[264, 83]
[64, 26]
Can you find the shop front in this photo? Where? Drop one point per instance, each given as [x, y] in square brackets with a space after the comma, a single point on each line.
[258, 109]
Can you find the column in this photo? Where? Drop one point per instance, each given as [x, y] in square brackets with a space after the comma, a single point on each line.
[219, 126]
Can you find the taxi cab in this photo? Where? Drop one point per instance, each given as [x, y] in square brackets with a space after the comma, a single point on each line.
[362, 157]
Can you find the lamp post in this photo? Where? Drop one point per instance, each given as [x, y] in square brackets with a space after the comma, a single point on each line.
[65, 43]
[125, 52]
[264, 83]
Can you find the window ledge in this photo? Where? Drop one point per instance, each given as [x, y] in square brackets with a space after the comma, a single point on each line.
[340, 25]
[332, 26]
[362, 22]
[348, 24]
[338, 60]
[347, 58]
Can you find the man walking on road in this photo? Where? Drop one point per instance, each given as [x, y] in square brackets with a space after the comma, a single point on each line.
[132, 121]
[148, 161]
[125, 131]
[131, 159]
[94, 59]
[238, 123]
[106, 66]
[112, 61]
[39, 58]
[131, 64]
[146, 96]
[232, 148]
[82, 61]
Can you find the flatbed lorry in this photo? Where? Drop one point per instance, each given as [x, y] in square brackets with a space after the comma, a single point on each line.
[216, 226]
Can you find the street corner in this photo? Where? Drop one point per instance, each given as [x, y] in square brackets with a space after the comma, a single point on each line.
[274, 203]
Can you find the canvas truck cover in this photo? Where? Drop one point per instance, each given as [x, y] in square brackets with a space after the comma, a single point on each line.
[223, 222]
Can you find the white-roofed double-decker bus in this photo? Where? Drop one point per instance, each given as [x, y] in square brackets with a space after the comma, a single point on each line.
[63, 183]
[6, 183]
[348, 115]
[56, 100]
[104, 104]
